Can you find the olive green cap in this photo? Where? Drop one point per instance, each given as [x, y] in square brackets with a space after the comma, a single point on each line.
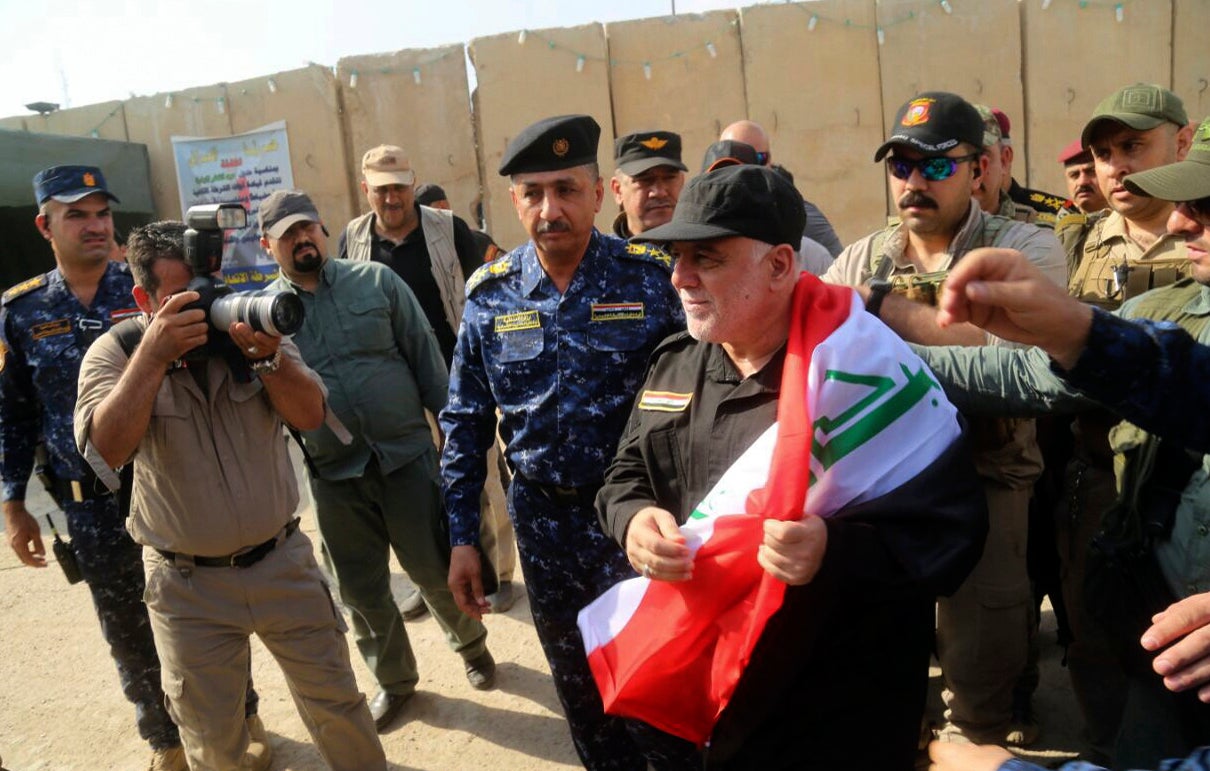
[1142, 107]
[1186, 180]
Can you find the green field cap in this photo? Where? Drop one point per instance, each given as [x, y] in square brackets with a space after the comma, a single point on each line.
[1142, 107]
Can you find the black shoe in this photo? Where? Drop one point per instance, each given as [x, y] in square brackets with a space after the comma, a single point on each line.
[385, 707]
[481, 671]
[413, 607]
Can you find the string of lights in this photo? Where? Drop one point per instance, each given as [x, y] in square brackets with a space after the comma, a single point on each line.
[707, 47]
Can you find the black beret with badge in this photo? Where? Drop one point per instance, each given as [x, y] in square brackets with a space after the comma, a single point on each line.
[552, 144]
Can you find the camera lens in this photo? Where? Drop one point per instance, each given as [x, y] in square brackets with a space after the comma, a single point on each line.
[274, 313]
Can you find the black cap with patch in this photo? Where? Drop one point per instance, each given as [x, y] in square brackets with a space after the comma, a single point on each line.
[934, 122]
[552, 144]
[737, 200]
[635, 153]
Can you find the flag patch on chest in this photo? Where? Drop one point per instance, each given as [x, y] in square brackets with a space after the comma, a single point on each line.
[664, 401]
[617, 311]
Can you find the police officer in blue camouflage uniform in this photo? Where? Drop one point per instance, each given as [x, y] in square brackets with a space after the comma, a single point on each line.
[46, 324]
[556, 335]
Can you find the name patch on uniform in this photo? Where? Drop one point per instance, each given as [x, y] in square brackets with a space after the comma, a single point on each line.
[617, 311]
[664, 401]
[51, 328]
[123, 313]
[515, 322]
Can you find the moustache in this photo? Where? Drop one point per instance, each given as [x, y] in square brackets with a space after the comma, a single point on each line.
[557, 226]
[298, 248]
[917, 200]
[1085, 189]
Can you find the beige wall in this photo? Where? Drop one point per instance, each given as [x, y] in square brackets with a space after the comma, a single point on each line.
[1190, 57]
[825, 95]
[153, 122]
[430, 120]
[817, 93]
[693, 93]
[1063, 96]
[308, 101]
[107, 119]
[522, 83]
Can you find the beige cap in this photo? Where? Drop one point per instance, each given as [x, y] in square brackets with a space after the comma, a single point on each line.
[387, 165]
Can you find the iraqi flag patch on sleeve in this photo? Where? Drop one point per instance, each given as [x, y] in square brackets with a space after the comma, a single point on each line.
[664, 401]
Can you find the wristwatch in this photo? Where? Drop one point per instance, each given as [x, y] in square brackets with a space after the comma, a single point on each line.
[879, 288]
[268, 365]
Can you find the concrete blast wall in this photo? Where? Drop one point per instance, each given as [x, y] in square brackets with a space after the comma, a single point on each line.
[816, 75]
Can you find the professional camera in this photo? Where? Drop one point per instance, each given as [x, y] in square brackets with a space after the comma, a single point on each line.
[274, 313]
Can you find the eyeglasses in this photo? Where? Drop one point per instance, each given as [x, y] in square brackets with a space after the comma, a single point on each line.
[1198, 210]
[933, 169]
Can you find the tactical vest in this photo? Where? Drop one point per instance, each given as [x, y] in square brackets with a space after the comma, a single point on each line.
[1124, 584]
[1167, 304]
[926, 287]
[988, 434]
[1099, 279]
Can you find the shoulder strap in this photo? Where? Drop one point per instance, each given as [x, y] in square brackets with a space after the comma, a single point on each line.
[128, 333]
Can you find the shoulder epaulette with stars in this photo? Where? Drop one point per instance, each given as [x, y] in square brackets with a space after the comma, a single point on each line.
[24, 288]
[501, 266]
[648, 253]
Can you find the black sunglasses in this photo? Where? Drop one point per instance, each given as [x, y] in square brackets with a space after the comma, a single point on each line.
[1198, 209]
[933, 169]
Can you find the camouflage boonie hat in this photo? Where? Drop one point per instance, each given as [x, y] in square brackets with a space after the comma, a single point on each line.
[1186, 180]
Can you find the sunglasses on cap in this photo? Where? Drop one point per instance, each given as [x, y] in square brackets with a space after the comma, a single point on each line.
[1197, 210]
[933, 169]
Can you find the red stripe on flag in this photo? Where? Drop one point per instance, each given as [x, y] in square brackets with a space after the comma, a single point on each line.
[678, 660]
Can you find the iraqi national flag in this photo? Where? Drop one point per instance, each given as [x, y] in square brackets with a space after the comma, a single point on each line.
[671, 654]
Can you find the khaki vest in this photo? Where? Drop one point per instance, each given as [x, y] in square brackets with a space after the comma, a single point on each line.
[438, 228]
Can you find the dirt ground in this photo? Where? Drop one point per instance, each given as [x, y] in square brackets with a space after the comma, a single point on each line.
[61, 708]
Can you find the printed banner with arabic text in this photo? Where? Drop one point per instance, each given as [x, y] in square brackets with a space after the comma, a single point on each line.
[245, 169]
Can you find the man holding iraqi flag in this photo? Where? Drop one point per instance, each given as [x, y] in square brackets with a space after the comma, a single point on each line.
[790, 549]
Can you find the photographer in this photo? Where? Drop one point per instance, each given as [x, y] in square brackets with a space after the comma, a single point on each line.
[213, 501]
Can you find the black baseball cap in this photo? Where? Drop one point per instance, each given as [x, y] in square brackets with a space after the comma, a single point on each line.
[282, 209]
[932, 123]
[68, 184]
[737, 200]
[635, 153]
[729, 152]
[552, 144]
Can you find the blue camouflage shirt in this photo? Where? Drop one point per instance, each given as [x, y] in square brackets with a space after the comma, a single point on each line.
[44, 332]
[562, 368]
